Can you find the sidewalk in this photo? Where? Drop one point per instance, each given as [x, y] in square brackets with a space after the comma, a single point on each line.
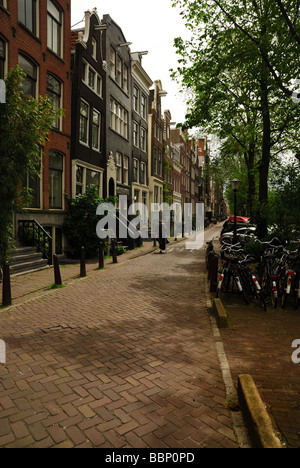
[34, 284]
[259, 343]
[124, 358]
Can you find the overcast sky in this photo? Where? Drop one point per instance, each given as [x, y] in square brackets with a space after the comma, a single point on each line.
[153, 29]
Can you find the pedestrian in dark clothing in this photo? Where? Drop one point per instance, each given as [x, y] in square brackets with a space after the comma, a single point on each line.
[162, 237]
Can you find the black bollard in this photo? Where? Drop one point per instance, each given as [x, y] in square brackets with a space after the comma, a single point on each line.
[82, 263]
[57, 275]
[210, 262]
[101, 255]
[6, 288]
[114, 252]
[214, 273]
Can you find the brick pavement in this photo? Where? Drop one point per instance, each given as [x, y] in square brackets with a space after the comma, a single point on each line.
[259, 343]
[125, 358]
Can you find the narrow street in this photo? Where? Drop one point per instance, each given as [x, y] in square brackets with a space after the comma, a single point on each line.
[125, 357]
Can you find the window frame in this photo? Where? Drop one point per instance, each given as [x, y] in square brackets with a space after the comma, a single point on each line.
[61, 179]
[86, 120]
[59, 22]
[95, 111]
[33, 15]
[33, 79]
[3, 59]
[58, 125]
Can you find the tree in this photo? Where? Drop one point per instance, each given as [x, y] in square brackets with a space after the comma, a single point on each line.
[24, 128]
[239, 68]
[80, 223]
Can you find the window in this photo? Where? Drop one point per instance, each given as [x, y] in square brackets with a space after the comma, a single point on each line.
[85, 177]
[54, 25]
[118, 119]
[144, 107]
[30, 80]
[119, 71]
[54, 92]
[135, 170]
[94, 48]
[55, 180]
[112, 63]
[135, 134]
[119, 167]
[79, 180]
[92, 178]
[160, 164]
[96, 130]
[33, 182]
[143, 139]
[125, 166]
[125, 77]
[136, 99]
[84, 122]
[156, 194]
[27, 14]
[91, 78]
[2, 58]
[143, 174]
[155, 161]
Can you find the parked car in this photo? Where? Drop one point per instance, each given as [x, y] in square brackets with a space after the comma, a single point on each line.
[239, 219]
[244, 232]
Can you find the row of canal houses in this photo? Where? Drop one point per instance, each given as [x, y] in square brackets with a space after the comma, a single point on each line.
[114, 133]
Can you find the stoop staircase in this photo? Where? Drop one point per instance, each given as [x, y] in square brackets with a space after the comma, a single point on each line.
[26, 260]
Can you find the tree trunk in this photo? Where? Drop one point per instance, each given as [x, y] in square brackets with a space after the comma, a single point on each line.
[250, 160]
[262, 221]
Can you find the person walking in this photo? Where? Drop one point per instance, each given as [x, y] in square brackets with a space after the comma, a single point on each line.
[162, 240]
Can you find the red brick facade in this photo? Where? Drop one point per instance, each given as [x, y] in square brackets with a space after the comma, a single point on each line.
[29, 36]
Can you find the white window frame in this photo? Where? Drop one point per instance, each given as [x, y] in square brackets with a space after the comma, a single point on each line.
[126, 170]
[88, 123]
[86, 166]
[85, 78]
[99, 130]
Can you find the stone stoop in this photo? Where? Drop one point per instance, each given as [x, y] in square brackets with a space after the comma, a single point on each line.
[25, 260]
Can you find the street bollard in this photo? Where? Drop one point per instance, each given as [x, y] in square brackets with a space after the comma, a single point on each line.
[6, 288]
[57, 275]
[210, 262]
[101, 255]
[214, 273]
[114, 252]
[82, 263]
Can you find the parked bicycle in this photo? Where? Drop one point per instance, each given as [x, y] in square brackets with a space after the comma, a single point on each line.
[237, 274]
[288, 268]
[268, 269]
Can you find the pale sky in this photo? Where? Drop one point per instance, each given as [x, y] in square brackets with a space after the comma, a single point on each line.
[152, 28]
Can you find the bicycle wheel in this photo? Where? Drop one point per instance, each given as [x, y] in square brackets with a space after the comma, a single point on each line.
[222, 277]
[296, 294]
[274, 293]
[241, 289]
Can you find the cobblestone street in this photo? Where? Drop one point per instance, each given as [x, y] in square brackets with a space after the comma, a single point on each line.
[125, 357]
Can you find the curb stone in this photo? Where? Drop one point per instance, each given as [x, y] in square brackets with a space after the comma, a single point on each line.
[257, 417]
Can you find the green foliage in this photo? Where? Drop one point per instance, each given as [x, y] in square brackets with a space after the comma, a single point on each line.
[239, 69]
[81, 221]
[24, 127]
[284, 211]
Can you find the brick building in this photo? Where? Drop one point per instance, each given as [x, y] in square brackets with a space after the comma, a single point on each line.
[88, 106]
[36, 35]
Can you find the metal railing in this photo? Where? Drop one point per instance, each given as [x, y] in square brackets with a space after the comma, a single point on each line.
[30, 232]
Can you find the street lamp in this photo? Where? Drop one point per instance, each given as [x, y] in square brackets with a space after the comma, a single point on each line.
[235, 183]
